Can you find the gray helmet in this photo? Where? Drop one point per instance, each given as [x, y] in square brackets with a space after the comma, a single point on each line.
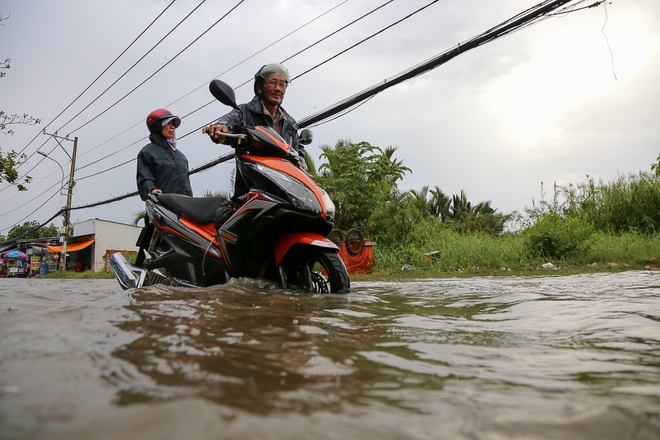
[269, 69]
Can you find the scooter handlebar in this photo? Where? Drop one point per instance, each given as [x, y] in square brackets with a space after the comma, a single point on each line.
[242, 137]
[239, 137]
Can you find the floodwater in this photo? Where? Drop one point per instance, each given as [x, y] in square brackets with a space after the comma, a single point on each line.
[575, 357]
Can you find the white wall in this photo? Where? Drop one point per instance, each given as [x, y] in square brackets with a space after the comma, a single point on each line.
[109, 236]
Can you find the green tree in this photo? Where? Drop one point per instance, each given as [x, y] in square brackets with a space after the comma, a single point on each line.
[359, 177]
[31, 230]
[655, 167]
[422, 200]
[398, 220]
[8, 171]
[459, 213]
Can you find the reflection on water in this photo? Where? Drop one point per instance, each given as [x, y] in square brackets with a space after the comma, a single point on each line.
[546, 357]
[244, 345]
[258, 348]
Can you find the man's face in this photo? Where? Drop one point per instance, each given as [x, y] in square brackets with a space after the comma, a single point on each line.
[274, 89]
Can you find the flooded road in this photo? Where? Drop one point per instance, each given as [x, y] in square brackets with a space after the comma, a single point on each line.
[483, 358]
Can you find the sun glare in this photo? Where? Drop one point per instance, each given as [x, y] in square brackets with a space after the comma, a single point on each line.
[567, 69]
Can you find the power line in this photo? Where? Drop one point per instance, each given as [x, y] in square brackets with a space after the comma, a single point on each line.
[269, 46]
[206, 83]
[523, 19]
[100, 75]
[231, 68]
[131, 68]
[161, 68]
[531, 15]
[201, 168]
[366, 39]
[148, 78]
[38, 208]
[337, 31]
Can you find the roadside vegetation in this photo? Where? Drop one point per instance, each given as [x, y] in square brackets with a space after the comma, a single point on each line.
[592, 226]
[86, 275]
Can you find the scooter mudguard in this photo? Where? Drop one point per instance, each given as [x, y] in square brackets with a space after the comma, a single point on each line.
[285, 241]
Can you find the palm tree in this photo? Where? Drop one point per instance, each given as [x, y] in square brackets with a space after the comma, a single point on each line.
[483, 208]
[389, 151]
[310, 165]
[139, 215]
[459, 206]
[220, 193]
[422, 201]
[440, 204]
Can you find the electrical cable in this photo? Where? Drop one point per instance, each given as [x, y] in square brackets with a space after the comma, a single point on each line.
[206, 83]
[365, 39]
[267, 47]
[161, 68]
[101, 74]
[246, 82]
[523, 19]
[20, 194]
[337, 31]
[38, 208]
[533, 14]
[607, 40]
[131, 68]
[87, 88]
[142, 83]
[503, 29]
[355, 101]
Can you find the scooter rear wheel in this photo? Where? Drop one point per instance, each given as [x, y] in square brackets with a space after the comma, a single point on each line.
[316, 270]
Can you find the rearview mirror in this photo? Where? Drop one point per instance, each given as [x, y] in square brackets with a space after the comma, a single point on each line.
[306, 136]
[223, 93]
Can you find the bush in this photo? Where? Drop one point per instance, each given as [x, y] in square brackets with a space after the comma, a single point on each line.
[628, 204]
[397, 221]
[555, 237]
[491, 223]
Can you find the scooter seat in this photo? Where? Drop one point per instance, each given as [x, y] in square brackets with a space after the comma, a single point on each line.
[199, 209]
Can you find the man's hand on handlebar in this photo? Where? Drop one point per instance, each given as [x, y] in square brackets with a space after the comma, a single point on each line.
[215, 132]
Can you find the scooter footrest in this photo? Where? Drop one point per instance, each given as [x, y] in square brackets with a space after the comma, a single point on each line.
[155, 277]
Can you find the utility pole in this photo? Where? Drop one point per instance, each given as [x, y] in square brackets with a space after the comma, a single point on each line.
[66, 230]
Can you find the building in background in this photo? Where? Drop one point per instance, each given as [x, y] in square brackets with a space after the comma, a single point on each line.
[94, 241]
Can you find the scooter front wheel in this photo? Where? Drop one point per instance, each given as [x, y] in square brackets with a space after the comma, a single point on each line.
[316, 270]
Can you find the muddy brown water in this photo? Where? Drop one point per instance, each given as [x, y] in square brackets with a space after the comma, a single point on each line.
[484, 358]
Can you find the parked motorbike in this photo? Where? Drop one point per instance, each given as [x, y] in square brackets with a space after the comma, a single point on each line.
[279, 233]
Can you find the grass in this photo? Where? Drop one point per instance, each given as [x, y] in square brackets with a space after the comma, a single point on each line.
[482, 255]
[469, 255]
[88, 274]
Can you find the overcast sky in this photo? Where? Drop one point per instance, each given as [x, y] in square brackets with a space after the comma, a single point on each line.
[550, 103]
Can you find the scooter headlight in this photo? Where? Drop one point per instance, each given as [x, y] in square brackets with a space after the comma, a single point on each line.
[329, 205]
[301, 197]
